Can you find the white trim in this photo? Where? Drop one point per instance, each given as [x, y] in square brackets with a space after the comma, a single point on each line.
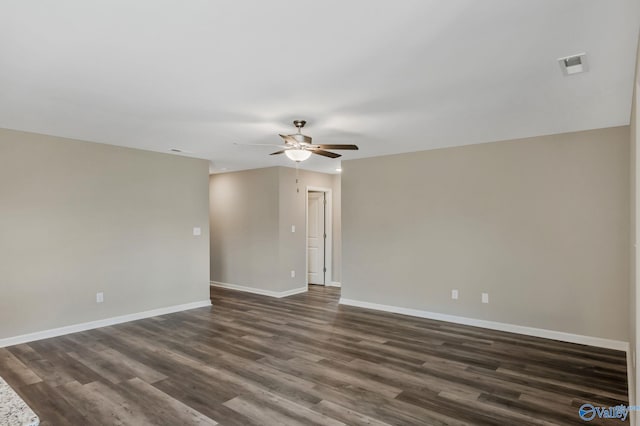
[328, 217]
[334, 284]
[277, 294]
[511, 328]
[54, 332]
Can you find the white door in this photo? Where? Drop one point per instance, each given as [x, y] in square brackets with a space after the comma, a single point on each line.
[316, 238]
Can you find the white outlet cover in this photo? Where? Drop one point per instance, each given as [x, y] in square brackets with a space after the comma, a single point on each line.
[99, 297]
[293, 228]
[485, 297]
[454, 294]
[197, 231]
[293, 274]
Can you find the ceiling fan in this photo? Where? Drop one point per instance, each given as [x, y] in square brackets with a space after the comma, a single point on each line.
[298, 147]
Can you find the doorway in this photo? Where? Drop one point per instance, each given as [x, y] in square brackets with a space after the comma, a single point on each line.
[318, 241]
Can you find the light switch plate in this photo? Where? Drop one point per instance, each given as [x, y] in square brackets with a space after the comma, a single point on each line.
[454, 294]
[197, 231]
[485, 297]
[293, 273]
[293, 228]
[99, 297]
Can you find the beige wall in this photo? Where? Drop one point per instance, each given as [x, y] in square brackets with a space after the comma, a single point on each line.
[77, 218]
[252, 212]
[541, 224]
[244, 228]
[634, 339]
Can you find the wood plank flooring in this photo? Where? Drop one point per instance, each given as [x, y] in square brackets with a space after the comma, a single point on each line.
[305, 360]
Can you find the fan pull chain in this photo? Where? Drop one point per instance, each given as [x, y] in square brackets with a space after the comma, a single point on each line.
[297, 180]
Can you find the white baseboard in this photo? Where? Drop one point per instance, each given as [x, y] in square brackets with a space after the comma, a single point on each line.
[277, 294]
[334, 284]
[493, 325]
[54, 332]
[291, 292]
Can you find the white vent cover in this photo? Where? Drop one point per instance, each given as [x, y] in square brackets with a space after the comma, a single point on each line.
[573, 64]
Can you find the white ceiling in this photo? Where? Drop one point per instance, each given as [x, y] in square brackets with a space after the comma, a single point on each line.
[390, 76]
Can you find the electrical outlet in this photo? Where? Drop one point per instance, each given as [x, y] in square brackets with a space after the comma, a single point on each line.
[99, 297]
[485, 297]
[293, 228]
[454, 294]
[293, 273]
[197, 232]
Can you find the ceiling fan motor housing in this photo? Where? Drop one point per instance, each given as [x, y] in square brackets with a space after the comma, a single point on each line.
[299, 138]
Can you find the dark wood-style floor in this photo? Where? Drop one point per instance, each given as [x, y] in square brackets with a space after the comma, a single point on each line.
[253, 360]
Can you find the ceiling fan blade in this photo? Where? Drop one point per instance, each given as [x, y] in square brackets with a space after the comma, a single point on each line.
[278, 152]
[291, 139]
[326, 153]
[288, 139]
[351, 147]
[257, 144]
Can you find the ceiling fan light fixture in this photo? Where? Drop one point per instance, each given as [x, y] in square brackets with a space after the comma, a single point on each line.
[298, 154]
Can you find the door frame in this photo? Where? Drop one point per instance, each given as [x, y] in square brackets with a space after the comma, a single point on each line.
[328, 228]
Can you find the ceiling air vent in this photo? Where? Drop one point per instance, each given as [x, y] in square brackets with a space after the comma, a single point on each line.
[573, 64]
